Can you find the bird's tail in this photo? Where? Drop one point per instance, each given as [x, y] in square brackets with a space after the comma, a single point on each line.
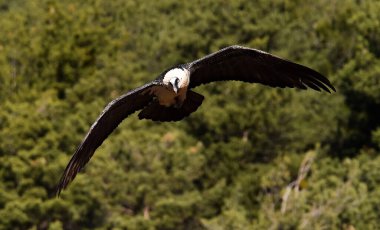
[157, 112]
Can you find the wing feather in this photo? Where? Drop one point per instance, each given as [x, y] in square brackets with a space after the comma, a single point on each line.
[116, 111]
[255, 66]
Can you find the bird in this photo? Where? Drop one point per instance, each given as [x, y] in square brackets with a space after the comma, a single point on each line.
[170, 97]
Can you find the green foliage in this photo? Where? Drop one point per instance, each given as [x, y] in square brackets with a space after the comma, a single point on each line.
[234, 164]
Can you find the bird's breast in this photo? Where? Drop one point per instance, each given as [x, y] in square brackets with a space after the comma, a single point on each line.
[168, 97]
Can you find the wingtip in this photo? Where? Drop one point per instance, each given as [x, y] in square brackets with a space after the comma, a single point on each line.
[58, 192]
[61, 186]
[67, 177]
[329, 88]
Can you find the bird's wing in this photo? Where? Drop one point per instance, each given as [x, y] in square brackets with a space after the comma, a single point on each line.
[251, 65]
[109, 119]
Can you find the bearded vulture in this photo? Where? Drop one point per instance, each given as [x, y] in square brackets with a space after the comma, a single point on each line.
[170, 97]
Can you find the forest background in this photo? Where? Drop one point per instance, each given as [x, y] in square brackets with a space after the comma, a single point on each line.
[252, 157]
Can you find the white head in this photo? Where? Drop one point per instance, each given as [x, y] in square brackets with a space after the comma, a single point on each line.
[177, 78]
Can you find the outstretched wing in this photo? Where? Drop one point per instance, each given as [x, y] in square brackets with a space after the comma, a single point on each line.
[251, 65]
[109, 119]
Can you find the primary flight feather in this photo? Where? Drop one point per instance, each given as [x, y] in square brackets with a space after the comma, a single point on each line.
[169, 98]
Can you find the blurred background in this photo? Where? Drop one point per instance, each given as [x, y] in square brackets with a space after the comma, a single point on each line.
[252, 157]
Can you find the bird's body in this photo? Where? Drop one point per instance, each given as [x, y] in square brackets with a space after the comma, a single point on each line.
[167, 97]
[165, 94]
[170, 97]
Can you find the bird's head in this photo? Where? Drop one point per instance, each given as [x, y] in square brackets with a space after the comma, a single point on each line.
[177, 78]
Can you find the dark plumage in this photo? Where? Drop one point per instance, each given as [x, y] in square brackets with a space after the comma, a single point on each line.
[169, 98]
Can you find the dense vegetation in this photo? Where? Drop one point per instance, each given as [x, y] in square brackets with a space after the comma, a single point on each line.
[251, 157]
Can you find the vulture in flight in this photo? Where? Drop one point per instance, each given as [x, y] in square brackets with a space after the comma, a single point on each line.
[170, 96]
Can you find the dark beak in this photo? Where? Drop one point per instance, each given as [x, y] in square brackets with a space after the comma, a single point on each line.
[175, 88]
[174, 84]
